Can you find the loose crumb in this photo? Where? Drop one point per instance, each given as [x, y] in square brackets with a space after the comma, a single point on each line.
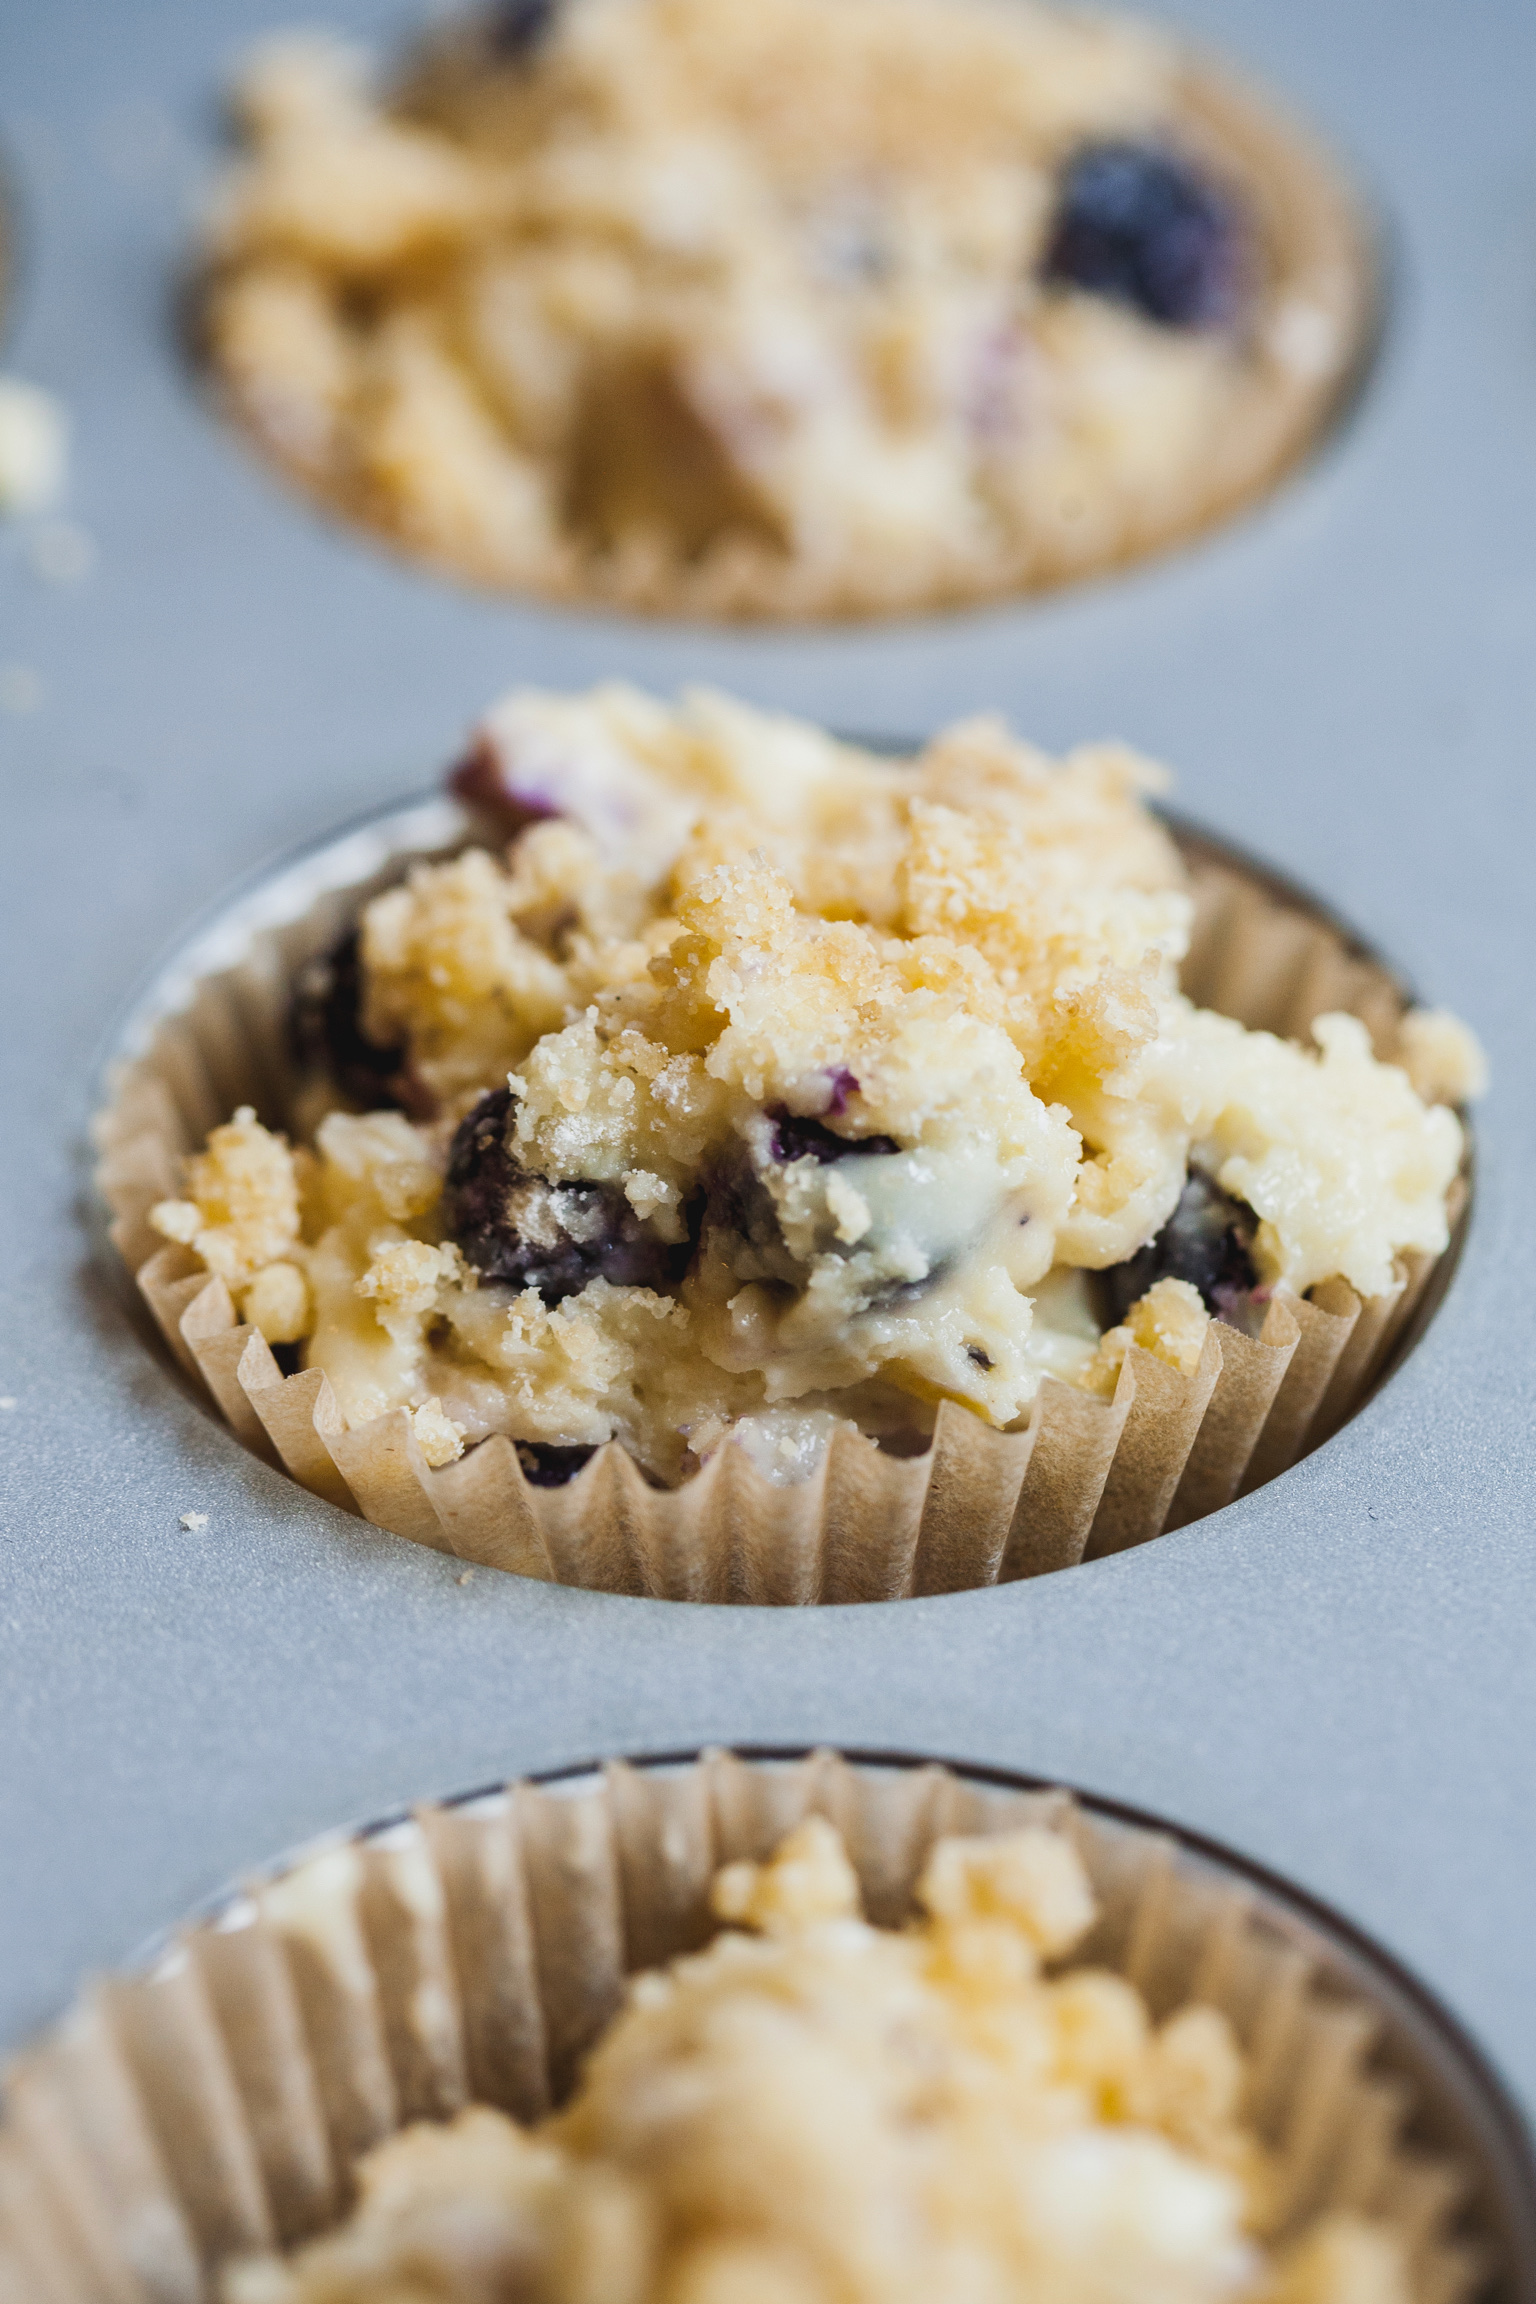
[1442, 1057]
[194, 1522]
[34, 446]
[439, 1438]
[1170, 1321]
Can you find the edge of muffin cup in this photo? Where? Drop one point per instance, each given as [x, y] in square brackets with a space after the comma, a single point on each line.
[216, 2099]
[1086, 1478]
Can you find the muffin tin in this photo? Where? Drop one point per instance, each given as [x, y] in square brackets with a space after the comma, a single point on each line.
[1331, 1674]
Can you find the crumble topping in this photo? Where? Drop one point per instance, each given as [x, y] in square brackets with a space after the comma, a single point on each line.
[822, 2108]
[772, 1084]
[241, 1212]
[1441, 1057]
[1170, 1320]
[812, 307]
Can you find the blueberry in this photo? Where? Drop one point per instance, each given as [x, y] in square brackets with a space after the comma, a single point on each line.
[481, 782]
[1208, 1241]
[1141, 226]
[520, 1228]
[796, 1138]
[740, 1223]
[740, 1229]
[325, 1032]
[514, 28]
[547, 1465]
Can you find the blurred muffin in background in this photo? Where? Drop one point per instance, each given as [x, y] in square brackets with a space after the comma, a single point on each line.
[815, 308]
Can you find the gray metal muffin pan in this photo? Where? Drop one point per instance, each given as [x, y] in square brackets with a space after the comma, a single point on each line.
[1332, 1676]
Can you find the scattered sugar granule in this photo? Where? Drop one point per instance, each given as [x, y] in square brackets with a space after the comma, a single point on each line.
[34, 446]
[21, 689]
[194, 1522]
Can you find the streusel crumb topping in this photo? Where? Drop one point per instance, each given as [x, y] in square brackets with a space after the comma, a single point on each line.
[760, 1082]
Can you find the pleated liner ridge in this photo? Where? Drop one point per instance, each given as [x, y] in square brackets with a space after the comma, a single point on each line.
[217, 2102]
[1087, 1477]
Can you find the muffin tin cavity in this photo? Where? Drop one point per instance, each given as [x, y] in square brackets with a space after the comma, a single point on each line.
[852, 312]
[216, 2100]
[1087, 1477]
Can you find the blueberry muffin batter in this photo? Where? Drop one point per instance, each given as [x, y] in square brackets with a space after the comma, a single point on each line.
[821, 2109]
[807, 308]
[760, 1084]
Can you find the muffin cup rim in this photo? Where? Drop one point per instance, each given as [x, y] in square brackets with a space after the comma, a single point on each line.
[1352, 1963]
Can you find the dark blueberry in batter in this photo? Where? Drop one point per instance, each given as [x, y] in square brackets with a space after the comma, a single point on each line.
[326, 1034]
[740, 1224]
[478, 781]
[981, 1358]
[518, 1227]
[1143, 227]
[514, 28]
[794, 1136]
[547, 1465]
[1207, 1241]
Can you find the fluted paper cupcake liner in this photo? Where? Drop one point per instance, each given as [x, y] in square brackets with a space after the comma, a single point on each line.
[216, 2101]
[1086, 1477]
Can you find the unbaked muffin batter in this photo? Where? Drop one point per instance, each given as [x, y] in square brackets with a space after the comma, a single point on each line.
[808, 307]
[824, 2112]
[761, 1083]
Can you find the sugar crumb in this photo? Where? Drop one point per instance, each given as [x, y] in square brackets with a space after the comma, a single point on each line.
[194, 1522]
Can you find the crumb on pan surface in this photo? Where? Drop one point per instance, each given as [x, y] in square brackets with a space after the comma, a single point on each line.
[825, 2112]
[34, 445]
[808, 308]
[761, 1084]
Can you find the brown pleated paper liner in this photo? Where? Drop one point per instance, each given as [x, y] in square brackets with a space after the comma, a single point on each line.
[218, 2102]
[1087, 1477]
